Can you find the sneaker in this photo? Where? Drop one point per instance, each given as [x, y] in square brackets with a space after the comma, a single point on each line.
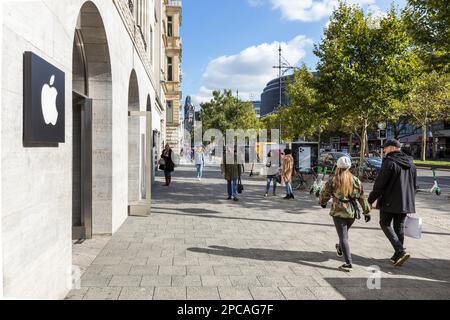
[292, 196]
[402, 259]
[346, 268]
[393, 258]
[235, 199]
[229, 198]
[287, 197]
[339, 251]
[266, 195]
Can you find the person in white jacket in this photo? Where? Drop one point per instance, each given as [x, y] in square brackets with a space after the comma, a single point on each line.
[200, 161]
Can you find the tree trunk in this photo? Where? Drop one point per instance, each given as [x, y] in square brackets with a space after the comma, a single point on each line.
[424, 142]
[364, 142]
[350, 144]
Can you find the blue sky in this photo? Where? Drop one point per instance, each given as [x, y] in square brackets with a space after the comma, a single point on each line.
[233, 44]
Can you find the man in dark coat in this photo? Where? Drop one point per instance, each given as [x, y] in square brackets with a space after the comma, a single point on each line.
[395, 190]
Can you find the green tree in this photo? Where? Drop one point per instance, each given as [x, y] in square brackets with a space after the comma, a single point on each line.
[307, 115]
[366, 64]
[429, 102]
[428, 22]
[225, 111]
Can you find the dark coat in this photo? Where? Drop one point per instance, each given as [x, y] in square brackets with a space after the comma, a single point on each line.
[395, 186]
[170, 165]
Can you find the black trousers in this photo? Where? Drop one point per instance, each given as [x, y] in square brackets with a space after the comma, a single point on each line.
[342, 227]
[395, 233]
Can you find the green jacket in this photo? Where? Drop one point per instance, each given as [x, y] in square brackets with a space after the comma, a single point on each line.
[341, 207]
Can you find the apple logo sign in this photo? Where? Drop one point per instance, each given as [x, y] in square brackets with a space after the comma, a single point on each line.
[44, 102]
[48, 102]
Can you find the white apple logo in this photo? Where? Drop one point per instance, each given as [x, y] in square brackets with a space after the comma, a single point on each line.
[48, 102]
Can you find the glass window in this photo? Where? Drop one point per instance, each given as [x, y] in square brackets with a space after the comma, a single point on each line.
[169, 112]
[170, 26]
[169, 69]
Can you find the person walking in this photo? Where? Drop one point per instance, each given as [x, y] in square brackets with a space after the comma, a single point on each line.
[167, 164]
[200, 162]
[231, 170]
[395, 190]
[345, 190]
[287, 172]
[272, 173]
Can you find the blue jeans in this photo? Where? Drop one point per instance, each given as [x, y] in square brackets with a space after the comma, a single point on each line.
[232, 188]
[269, 180]
[289, 188]
[199, 170]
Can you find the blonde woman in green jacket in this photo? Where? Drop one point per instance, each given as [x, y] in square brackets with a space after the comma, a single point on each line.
[346, 191]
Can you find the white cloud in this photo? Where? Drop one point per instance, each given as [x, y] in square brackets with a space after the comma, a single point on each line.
[250, 70]
[311, 10]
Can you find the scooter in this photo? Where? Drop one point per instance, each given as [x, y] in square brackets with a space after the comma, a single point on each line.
[435, 189]
[319, 183]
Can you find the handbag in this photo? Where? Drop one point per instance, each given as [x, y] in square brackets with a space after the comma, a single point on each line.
[413, 226]
[240, 187]
[162, 164]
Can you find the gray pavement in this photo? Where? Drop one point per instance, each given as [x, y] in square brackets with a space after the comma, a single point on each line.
[196, 245]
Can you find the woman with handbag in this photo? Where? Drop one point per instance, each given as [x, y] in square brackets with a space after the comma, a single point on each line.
[167, 165]
[287, 172]
[232, 171]
[346, 191]
[272, 173]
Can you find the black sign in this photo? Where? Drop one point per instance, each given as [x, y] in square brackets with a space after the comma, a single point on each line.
[382, 134]
[44, 101]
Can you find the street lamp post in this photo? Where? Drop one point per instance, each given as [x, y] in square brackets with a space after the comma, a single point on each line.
[282, 69]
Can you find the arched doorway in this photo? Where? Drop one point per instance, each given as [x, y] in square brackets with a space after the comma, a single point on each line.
[92, 126]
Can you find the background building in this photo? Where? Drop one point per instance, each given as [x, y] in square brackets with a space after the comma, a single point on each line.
[270, 98]
[172, 84]
[113, 56]
[257, 107]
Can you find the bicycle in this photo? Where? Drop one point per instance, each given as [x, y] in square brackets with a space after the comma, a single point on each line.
[304, 179]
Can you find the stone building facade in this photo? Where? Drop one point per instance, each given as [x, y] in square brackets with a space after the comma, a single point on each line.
[113, 55]
[172, 84]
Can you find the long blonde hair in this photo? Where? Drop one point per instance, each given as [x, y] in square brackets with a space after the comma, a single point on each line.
[343, 182]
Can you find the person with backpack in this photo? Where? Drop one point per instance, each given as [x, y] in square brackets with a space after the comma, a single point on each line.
[232, 171]
[395, 190]
[346, 191]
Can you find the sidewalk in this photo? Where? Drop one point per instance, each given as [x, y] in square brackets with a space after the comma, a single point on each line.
[197, 245]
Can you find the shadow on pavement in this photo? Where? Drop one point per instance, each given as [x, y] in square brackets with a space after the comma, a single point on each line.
[436, 269]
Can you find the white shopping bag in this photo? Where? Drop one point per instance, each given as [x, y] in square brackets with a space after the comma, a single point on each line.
[413, 226]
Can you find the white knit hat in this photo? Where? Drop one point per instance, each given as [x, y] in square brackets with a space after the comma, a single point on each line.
[344, 163]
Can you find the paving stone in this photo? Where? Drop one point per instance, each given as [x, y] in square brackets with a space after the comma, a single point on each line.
[102, 294]
[77, 294]
[144, 270]
[125, 281]
[244, 281]
[95, 280]
[107, 260]
[273, 281]
[326, 293]
[227, 271]
[119, 269]
[293, 293]
[170, 293]
[234, 293]
[200, 270]
[216, 281]
[139, 293]
[166, 261]
[172, 271]
[266, 293]
[156, 281]
[202, 293]
[186, 281]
